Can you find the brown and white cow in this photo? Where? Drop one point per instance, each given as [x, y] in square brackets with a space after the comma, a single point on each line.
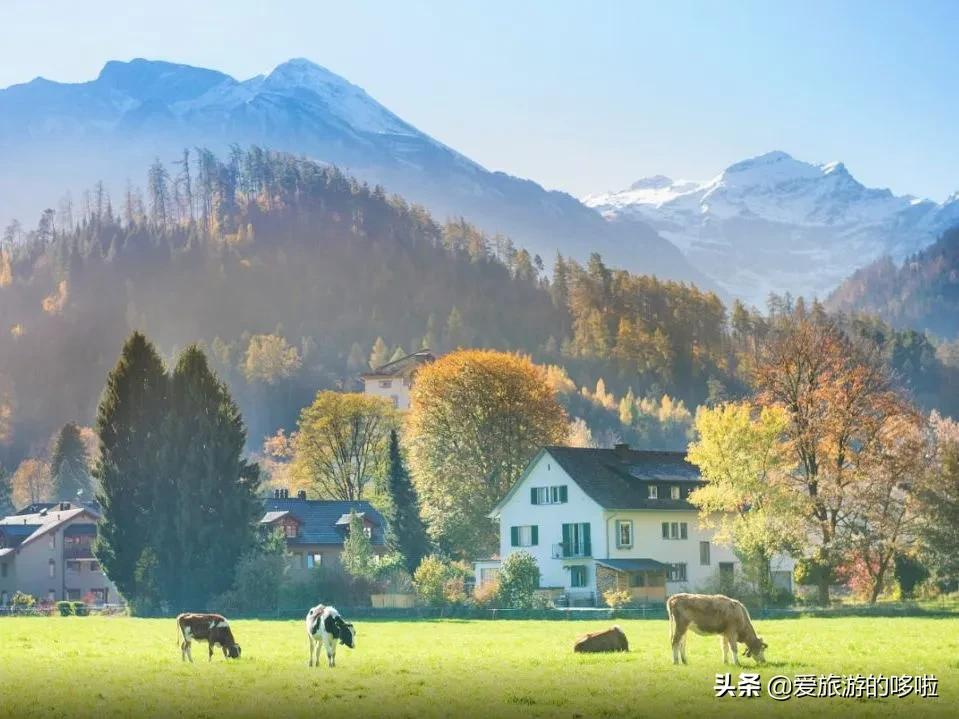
[213, 628]
[609, 640]
[712, 614]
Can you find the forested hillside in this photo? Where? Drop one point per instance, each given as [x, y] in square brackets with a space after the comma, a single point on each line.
[296, 277]
[923, 292]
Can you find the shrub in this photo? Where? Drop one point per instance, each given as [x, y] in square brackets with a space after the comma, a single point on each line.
[486, 596]
[430, 579]
[541, 600]
[325, 585]
[519, 580]
[65, 609]
[22, 600]
[80, 609]
[617, 598]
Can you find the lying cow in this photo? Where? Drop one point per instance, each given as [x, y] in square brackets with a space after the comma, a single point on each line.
[712, 614]
[609, 640]
[325, 626]
[213, 628]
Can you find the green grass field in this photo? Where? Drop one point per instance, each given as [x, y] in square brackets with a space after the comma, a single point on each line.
[118, 666]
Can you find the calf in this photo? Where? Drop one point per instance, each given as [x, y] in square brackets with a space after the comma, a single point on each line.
[610, 640]
[325, 626]
[712, 614]
[214, 628]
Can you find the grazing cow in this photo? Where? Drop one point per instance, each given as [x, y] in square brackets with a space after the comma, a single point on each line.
[713, 614]
[609, 640]
[325, 626]
[214, 628]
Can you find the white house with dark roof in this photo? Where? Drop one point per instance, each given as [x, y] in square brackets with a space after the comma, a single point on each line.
[393, 380]
[597, 519]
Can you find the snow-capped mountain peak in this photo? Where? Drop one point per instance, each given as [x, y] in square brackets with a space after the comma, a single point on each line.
[775, 223]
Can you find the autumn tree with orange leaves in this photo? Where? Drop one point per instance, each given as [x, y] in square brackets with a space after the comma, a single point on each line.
[845, 423]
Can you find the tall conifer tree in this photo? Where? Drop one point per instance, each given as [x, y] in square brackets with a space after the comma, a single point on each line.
[70, 465]
[129, 424]
[406, 532]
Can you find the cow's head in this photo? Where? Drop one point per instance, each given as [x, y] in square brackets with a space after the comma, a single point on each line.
[756, 649]
[347, 632]
[231, 651]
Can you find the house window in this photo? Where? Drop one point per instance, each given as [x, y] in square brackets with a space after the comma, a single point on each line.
[368, 531]
[577, 576]
[674, 492]
[386, 383]
[524, 536]
[677, 572]
[549, 495]
[313, 559]
[74, 566]
[637, 579]
[290, 530]
[675, 530]
[653, 491]
[704, 553]
[94, 566]
[624, 534]
[576, 541]
[488, 575]
[73, 595]
[51, 595]
[53, 541]
[52, 568]
[99, 596]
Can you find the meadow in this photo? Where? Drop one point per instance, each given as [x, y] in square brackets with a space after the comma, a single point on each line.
[125, 667]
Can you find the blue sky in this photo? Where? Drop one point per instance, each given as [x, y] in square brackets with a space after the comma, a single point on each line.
[578, 96]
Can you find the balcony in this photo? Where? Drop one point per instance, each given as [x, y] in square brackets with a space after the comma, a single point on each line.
[574, 551]
[78, 551]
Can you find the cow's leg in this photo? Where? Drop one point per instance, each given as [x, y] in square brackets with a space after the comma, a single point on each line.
[211, 651]
[678, 635]
[725, 646]
[331, 652]
[682, 648]
[731, 641]
[189, 650]
[312, 643]
[184, 649]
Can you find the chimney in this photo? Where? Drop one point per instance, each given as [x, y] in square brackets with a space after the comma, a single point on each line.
[286, 494]
[276, 494]
[621, 450]
[301, 494]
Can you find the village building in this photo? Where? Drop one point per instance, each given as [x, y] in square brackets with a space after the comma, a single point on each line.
[46, 550]
[315, 529]
[601, 519]
[393, 380]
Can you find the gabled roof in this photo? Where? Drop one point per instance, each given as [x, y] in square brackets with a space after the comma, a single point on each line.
[271, 517]
[619, 478]
[318, 518]
[46, 520]
[401, 366]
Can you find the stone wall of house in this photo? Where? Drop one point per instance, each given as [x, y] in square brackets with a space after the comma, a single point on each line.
[606, 579]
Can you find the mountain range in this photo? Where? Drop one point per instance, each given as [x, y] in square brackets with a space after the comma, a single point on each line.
[776, 224]
[66, 136]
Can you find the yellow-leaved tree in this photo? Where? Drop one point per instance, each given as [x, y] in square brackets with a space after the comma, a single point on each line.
[743, 458]
[477, 417]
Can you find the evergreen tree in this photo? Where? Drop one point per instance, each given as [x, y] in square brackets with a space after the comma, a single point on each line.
[70, 465]
[357, 557]
[398, 353]
[6, 491]
[406, 532]
[129, 427]
[206, 506]
[380, 354]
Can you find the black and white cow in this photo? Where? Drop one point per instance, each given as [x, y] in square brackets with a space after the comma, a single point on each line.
[325, 626]
[212, 628]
